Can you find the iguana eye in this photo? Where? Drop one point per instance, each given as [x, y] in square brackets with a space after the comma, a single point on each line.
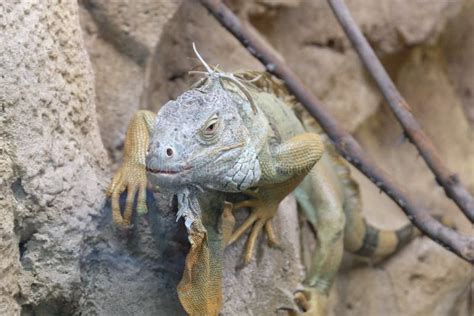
[209, 130]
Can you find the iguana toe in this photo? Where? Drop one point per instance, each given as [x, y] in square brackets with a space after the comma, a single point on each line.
[250, 246]
[242, 229]
[310, 303]
[271, 237]
[131, 178]
[141, 201]
[258, 220]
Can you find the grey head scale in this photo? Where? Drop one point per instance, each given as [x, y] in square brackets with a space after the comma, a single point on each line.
[202, 138]
[201, 141]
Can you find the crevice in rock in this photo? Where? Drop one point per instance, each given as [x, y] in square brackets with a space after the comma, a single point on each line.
[22, 248]
[177, 76]
[27, 310]
[334, 44]
[26, 234]
[18, 190]
[56, 307]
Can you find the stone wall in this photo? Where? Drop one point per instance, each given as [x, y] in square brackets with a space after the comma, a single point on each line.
[54, 165]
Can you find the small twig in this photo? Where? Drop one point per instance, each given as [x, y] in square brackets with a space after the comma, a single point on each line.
[448, 180]
[461, 245]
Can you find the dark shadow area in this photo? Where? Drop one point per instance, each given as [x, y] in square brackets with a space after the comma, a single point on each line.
[148, 258]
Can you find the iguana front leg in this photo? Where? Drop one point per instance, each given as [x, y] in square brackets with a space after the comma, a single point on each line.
[283, 167]
[131, 176]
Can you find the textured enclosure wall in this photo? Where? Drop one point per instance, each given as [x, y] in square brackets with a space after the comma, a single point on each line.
[53, 161]
[73, 74]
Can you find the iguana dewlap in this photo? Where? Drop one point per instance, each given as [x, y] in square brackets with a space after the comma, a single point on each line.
[239, 133]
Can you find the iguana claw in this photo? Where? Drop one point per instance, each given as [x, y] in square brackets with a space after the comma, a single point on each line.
[310, 303]
[260, 218]
[130, 177]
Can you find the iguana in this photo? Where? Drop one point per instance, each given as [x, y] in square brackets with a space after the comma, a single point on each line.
[240, 134]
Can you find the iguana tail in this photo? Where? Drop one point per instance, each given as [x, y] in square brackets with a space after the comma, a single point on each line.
[360, 237]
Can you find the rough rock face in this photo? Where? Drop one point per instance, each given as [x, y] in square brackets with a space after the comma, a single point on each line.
[59, 252]
[120, 38]
[53, 160]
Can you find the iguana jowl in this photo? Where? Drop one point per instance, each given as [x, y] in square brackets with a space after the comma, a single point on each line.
[238, 133]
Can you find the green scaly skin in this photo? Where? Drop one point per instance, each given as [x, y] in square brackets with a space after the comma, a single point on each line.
[288, 155]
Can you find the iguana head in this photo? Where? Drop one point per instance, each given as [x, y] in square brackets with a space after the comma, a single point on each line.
[200, 139]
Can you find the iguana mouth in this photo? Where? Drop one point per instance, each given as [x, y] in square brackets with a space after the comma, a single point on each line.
[168, 171]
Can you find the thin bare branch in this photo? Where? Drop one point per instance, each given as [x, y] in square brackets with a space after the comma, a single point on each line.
[449, 181]
[461, 245]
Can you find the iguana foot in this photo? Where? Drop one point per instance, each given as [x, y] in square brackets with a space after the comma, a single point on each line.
[260, 218]
[310, 302]
[130, 177]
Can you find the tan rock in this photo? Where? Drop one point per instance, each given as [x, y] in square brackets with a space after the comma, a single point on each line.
[52, 155]
[458, 47]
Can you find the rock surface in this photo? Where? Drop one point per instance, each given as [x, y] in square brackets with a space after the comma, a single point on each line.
[73, 75]
[52, 154]
[120, 37]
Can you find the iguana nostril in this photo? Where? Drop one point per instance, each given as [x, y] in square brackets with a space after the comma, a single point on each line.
[169, 152]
